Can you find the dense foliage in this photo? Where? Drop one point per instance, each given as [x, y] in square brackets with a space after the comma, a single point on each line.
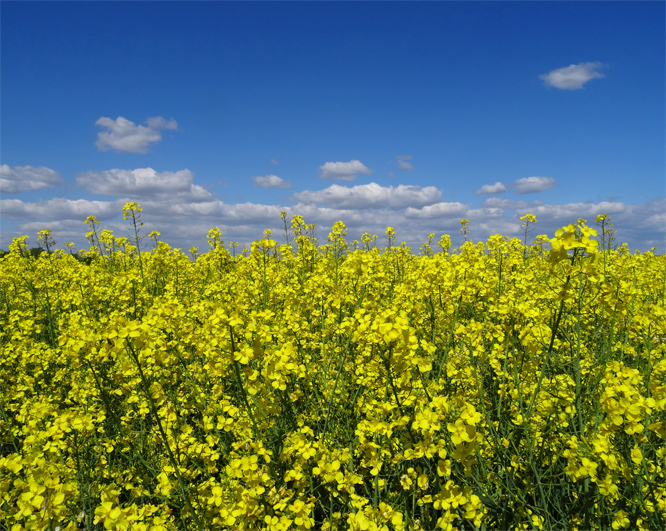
[497, 385]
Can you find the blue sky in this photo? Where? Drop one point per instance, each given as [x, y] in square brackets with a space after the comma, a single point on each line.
[405, 114]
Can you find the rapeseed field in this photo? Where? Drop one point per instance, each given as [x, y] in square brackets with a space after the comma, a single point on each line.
[512, 384]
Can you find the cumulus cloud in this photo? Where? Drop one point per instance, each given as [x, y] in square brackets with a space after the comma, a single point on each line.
[498, 202]
[271, 181]
[22, 178]
[58, 208]
[71, 226]
[402, 162]
[124, 136]
[572, 77]
[438, 210]
[144, 183]
[371, 195]
[184, 223]
[570, 212]
[233, 215]
[526, 185]
[487, 189]
[530, 185]
[343, 171]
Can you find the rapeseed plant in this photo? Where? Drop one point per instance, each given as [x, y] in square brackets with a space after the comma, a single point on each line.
[497, 385]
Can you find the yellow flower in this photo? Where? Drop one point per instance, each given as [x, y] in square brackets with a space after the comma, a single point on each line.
[461, 432]
[111, 516]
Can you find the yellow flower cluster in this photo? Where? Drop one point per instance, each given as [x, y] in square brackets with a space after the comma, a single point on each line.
[497, 385]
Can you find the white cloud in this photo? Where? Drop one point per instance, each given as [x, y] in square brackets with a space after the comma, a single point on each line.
[22, 178]
[275, 162]
[510, 204]
[58, 208]
[573, 76]
[490, 213]
[144, 183]
[183, 212]
[271, 181]
[570, 212]
[497, 188]
[124, 136]
[530, 185]
[371, 195]
[72, 226]
[402, 162]
[526, 185]
[184, 224]
[438, 210]
[343, 171]
[236, 215]
[641, 226]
